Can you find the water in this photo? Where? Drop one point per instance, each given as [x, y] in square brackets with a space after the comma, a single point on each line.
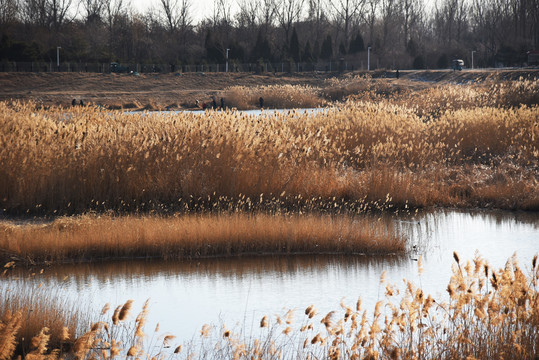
[253, 112]
[239, 291]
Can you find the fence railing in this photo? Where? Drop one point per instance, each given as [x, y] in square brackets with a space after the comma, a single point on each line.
[283, 67]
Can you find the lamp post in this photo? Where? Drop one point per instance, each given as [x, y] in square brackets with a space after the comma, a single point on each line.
[227, 60]
[369, 58]
[58, 58]
[472, 58]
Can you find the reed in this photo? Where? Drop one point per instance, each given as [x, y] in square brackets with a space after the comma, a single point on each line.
[362, 153]
[487, 313]
[90, 237]
[35, 316]
[275, 97]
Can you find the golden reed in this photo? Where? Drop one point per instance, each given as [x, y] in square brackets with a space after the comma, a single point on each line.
[486, 314]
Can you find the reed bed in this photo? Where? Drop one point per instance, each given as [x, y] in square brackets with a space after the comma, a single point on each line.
[274, 96]
[488, 314]
[86, 238]
[36, 311]
[358, 155]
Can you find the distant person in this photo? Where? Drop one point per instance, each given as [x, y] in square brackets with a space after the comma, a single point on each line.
[397, 74]
[74, 102]
[261, 101]
[213, 102]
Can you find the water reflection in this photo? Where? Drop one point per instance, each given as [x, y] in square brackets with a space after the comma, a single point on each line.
[185, 295]
[236, 268]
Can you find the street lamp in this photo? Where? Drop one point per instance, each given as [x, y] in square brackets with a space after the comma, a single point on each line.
[227, 59]
[369, 58]
[58, 58]
[472, 58]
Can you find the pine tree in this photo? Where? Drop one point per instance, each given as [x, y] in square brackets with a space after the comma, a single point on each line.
[294, 49]
[262, 49]
[307, 53]
[342, 48]
[326, 52]
[357, 44]
[213, 52]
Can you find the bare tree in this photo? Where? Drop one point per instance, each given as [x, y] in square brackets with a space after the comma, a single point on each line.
[288, 12]
[389, 12]
[93, 9]
[114, 9]
[8, 11]
[34, 12]
[176, 14]
[316, 15]
[247, 14]
[345, 12]
[452, 19]
[411, 13]
[222, 13]
[266, 13]
[57, 11]
[370, 17]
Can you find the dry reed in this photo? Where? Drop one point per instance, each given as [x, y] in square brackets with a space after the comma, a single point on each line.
[89, 237]
[357, 155]
[488, 314]
[28, 309]
[275, 97]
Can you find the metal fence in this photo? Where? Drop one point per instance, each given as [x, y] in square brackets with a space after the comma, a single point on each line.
[282, 67]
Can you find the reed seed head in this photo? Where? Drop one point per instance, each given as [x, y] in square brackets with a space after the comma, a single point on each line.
[126, 308]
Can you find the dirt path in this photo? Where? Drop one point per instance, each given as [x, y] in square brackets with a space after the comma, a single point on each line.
[159, 91]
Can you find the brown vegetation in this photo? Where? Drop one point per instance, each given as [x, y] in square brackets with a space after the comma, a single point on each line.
[489, 313]
[34, 317]
[383, 153]
[90, 238]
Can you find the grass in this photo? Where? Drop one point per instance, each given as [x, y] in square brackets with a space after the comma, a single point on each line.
[29, 311]
[362, 153]
[222, 183]
[487, 313]
[91, 237]
[275, 96]
[381, 150]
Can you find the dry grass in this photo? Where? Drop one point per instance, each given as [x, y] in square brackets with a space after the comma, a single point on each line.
[434, 101]
[361, 154]
[488, 314]
[103, 237]
[275, 97]
[36, 311]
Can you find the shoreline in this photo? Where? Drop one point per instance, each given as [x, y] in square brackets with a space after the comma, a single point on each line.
[162, 91]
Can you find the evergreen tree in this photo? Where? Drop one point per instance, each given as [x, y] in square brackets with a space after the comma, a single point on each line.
[342, 48]
[443, 61]
[236, 52]
[213, 50]
[316, 50]
[308, 53]
[412, 48]
[262, 49]
[419, 62]
[357, 45]
[294, 49]
[326, 52]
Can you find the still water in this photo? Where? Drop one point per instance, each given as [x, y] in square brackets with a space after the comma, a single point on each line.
[239, 291]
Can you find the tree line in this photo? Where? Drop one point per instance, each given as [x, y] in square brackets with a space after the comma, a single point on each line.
[400, 33]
